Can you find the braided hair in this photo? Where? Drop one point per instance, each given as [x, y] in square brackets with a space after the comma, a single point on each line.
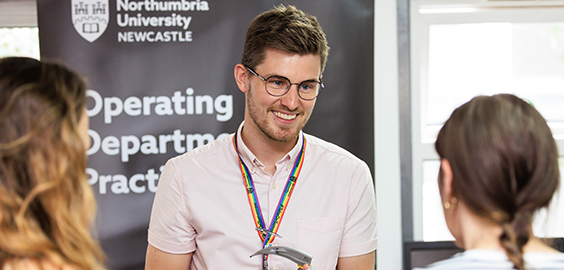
[504, 162]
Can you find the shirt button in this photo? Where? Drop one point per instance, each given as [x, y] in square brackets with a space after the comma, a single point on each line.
[273, 185]
[276, 268]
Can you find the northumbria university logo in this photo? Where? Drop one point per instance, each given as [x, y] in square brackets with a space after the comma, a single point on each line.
[90, 18]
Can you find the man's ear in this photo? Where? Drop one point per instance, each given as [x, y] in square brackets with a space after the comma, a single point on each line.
[445, 180]
[240, 73]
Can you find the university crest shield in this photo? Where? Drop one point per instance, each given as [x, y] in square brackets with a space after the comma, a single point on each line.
[90, 18]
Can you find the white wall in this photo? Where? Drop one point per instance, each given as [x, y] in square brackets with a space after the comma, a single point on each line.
[386, 123]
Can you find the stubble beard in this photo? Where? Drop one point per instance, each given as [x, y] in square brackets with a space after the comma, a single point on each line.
[285, 135]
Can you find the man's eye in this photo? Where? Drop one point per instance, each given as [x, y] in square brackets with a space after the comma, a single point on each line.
[309, 86]
[278, 82]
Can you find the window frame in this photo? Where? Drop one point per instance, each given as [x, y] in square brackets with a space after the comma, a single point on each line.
[424, 13]
[21, 13]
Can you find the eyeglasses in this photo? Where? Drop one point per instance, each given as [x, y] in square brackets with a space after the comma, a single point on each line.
[278, 86]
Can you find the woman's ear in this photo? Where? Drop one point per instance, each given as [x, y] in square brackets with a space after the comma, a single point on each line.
[445, 180]
[240, 73]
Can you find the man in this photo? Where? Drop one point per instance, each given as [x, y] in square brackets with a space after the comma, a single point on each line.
[269, 183]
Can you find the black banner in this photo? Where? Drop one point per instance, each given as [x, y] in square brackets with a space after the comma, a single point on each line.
[160, 75]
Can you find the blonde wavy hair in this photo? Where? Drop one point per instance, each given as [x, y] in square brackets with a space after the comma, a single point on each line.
[46, 205]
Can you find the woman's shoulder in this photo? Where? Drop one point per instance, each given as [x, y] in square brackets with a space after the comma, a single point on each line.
[543, 260]
[473, 259]
[491, 259]
[30, 264]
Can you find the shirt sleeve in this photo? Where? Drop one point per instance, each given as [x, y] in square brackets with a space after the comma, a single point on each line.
[360, 231]
[169, 229]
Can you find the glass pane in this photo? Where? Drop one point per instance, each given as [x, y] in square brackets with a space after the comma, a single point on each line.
[465, 60]
[546, 224]
[551, 223]
[434, 225]
[19, 42]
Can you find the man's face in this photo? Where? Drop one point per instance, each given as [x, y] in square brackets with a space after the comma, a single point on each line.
[281, 118]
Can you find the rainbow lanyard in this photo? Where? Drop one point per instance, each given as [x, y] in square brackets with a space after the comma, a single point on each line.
[267, 236]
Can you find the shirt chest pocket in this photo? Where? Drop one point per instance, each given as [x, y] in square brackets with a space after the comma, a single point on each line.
[321, 238]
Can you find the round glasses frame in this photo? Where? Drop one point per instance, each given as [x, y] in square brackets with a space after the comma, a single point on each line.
[275, 79]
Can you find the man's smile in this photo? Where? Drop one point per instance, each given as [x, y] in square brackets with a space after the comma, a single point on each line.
[285, 116]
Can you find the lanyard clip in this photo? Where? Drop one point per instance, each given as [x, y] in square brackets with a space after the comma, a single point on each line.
[292, 254]
[267, 232]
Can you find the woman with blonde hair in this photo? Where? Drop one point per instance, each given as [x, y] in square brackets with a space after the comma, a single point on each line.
[46, 204]
[499, 165]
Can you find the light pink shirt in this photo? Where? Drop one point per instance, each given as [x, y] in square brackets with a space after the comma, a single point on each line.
[201, 206]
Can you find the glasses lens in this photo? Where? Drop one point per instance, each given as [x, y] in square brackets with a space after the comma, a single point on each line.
[277, 86]
[309, 89]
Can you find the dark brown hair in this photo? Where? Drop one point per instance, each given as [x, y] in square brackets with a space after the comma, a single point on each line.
[46, 204]
[287, 29]
[504, 162]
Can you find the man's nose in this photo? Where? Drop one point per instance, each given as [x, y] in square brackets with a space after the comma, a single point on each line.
[291, 98]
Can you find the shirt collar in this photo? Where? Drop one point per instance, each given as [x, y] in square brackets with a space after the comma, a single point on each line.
[248, 156]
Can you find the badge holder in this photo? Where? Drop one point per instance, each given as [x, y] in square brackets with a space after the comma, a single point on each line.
[292, 254]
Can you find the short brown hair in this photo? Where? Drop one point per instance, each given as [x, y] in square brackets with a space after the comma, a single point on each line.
[284, 28]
